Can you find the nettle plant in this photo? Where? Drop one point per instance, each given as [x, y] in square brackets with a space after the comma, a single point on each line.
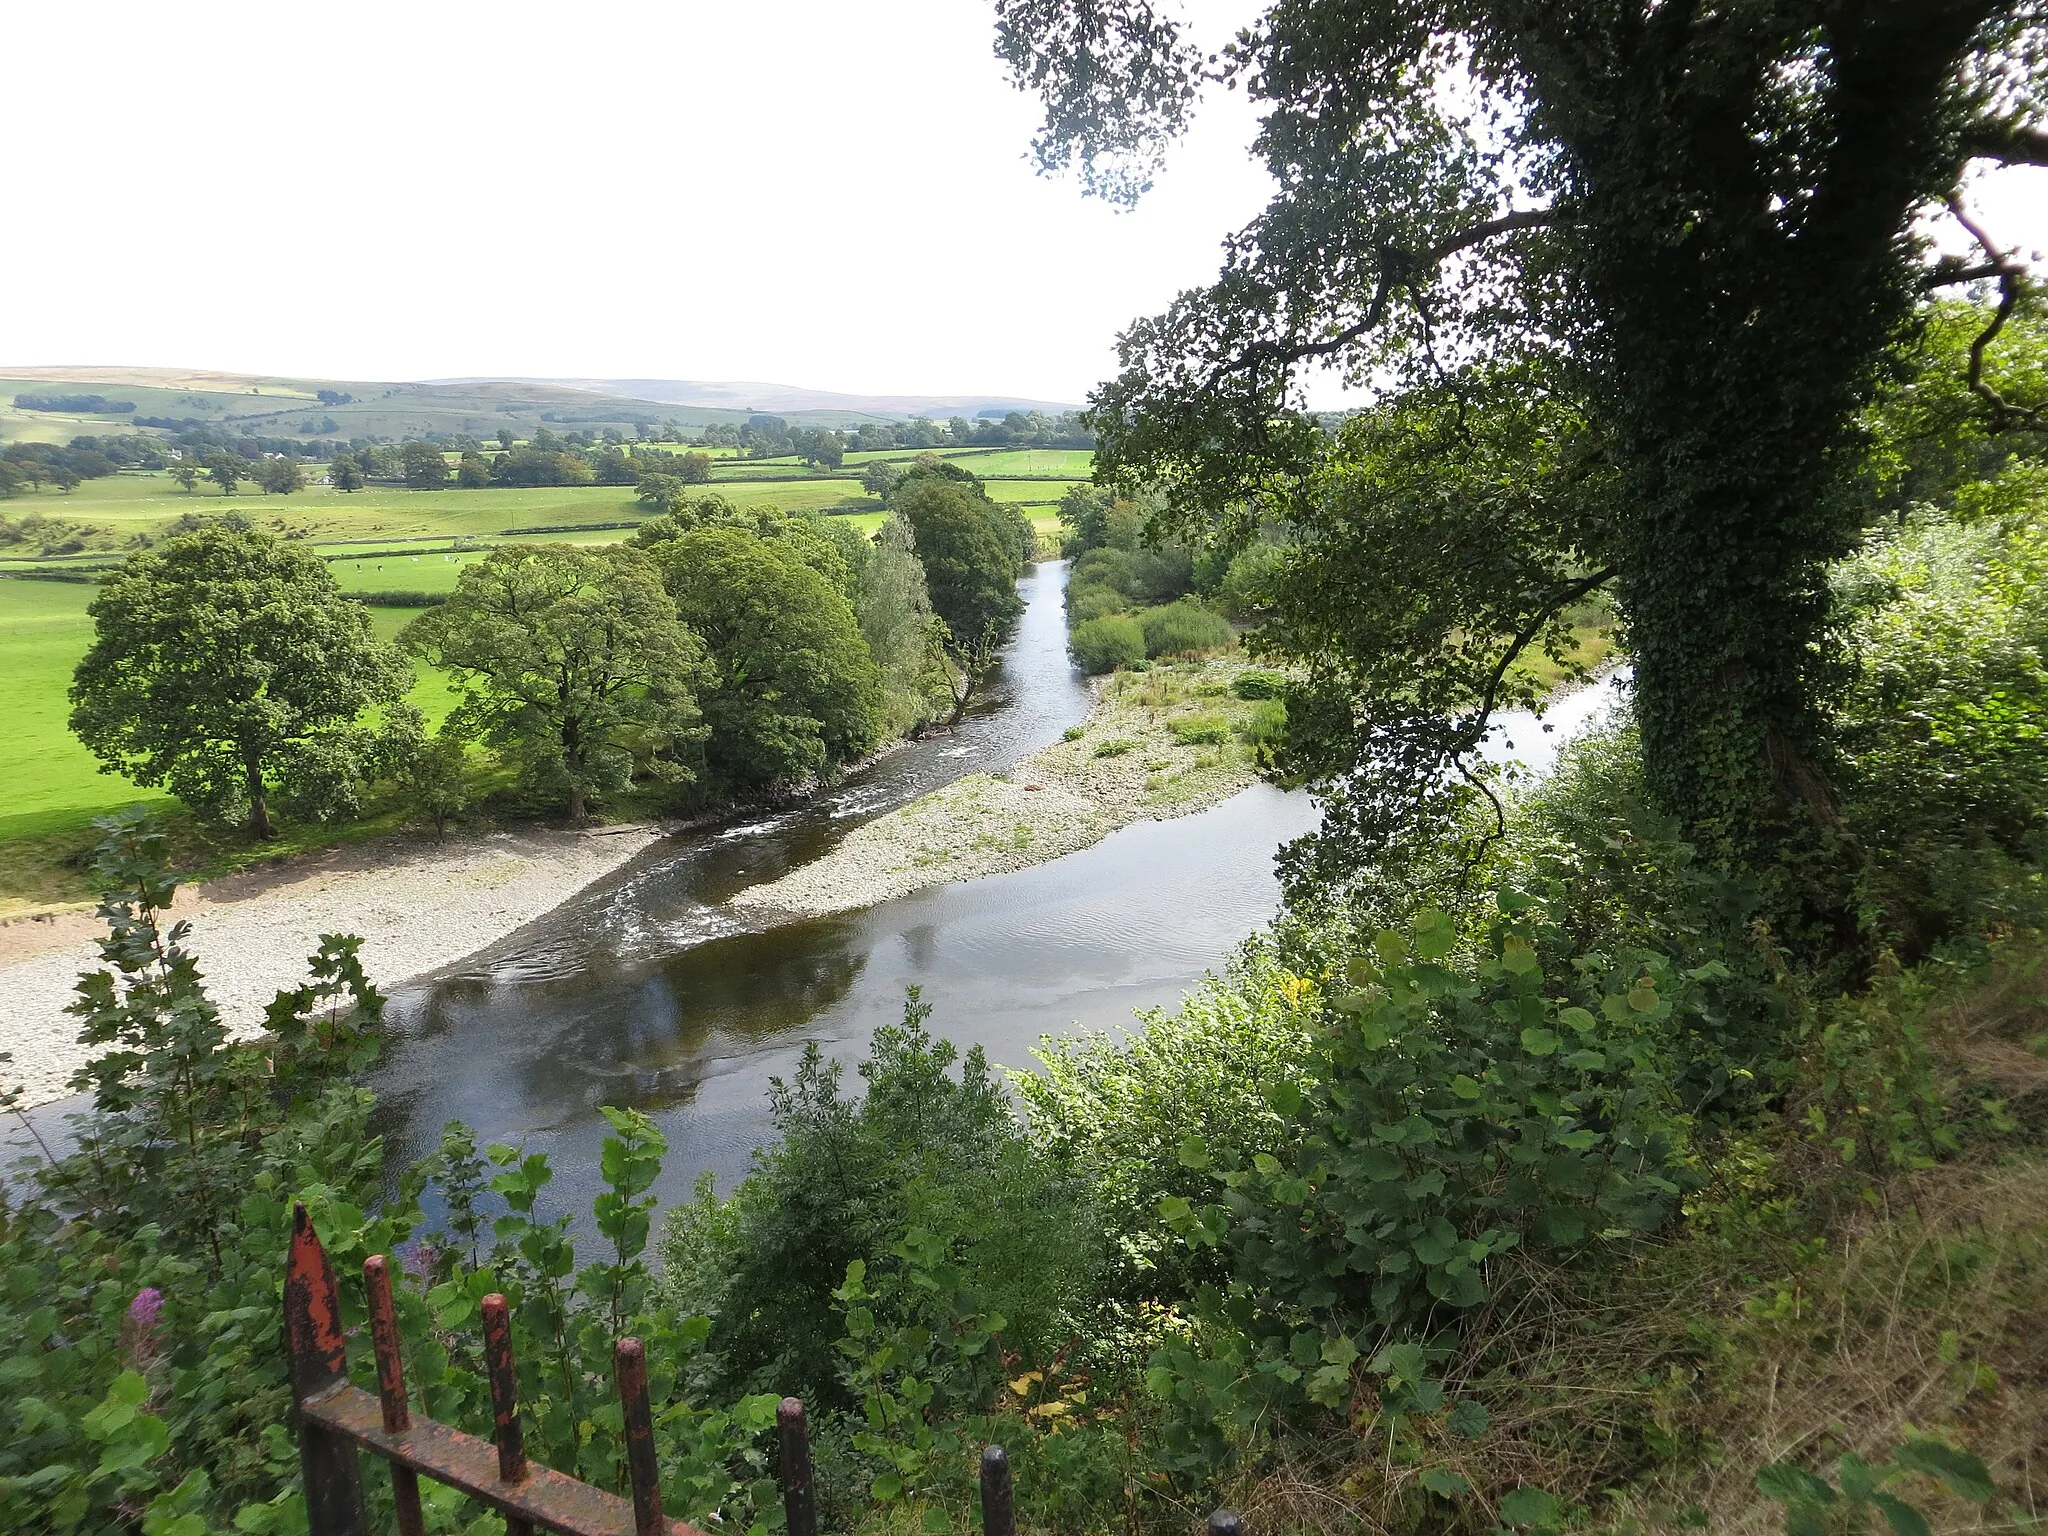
[1467, 1101]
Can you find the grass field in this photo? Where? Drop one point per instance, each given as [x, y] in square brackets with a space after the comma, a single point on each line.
[51, 787]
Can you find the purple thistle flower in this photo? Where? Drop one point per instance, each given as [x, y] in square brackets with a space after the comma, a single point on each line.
[148, 1302]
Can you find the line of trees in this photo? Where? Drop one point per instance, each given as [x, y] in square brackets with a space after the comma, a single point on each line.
[721, 653]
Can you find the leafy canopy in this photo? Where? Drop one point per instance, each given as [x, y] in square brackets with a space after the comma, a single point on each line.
[227, 662]
[576, 659]
[1625, 276]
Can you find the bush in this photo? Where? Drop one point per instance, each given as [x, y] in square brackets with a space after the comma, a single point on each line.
[1942, 724]
[1182, 627]
[848, 1182]
[1104, 644]
[1264, 729]
[1200, 730]
[1258, 683]
[1094, 603]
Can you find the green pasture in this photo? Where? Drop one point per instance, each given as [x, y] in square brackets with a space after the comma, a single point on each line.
[50, 786]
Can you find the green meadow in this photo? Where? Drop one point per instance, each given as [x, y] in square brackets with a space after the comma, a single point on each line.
[380, 539]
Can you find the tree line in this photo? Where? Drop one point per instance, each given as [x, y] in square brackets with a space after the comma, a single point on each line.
[719, 653]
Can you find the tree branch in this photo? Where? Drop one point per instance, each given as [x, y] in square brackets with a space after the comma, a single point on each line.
[2003, 412]
[2008, 143]
[1397, 267]
[1566, 595]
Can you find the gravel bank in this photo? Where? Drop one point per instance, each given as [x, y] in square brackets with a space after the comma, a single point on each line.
[417, 905]
[1127, 764]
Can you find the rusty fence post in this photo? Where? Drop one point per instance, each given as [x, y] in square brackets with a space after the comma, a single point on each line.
[799, 1501]
[1224, 1523]
[405, 1483]
[507, 1434]
[319, 1362]
[998, 1516]
[629, 1371]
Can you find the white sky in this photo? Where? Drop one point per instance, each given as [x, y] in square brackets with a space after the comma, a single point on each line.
[809, 192]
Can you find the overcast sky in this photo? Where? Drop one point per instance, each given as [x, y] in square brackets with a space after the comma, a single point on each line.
[807, 192]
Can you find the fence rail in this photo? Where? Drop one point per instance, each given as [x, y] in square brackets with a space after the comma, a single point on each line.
[337, 1419]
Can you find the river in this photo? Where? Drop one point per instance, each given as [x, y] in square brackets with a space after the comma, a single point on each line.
[649, 990]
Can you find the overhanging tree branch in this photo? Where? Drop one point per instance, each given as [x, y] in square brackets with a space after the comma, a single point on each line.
[2009, 272]
[2008, 143]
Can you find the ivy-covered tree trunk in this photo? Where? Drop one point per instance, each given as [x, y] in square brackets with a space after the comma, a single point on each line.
[1737, 336]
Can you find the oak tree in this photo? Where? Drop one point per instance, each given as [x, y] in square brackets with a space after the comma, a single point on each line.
[225, 664]
[1624, 275]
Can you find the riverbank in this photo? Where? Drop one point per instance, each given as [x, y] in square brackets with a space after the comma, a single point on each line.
[1156, 745]
[418, 906]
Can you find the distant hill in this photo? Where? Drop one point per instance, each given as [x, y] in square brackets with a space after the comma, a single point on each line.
[274, 406]
[782, 399]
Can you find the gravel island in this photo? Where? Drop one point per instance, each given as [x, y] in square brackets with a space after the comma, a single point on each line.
[1158, 744]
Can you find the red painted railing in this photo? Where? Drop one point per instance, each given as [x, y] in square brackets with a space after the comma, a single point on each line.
[338, 1419]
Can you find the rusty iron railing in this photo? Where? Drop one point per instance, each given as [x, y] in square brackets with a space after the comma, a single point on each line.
[336, 1419]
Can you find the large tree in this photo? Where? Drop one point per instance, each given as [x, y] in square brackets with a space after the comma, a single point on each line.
[574, 658]
[792, 688]
[1626, 273]
[224, 663]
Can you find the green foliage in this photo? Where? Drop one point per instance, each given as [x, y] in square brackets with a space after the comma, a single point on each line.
[792, 688]
[848, 1181]
[1942, 727]
[1459, 1108]
[1200, 730]
[1118, 1111]
[1184, 628]
[574, 658]
[138, 1275]
[1258, 683]
[902, 631]
[227, 662]
[1814, 1506]
[1104, 644]
[972, 553]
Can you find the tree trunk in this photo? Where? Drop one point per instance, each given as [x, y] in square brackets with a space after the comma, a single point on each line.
[259, 801]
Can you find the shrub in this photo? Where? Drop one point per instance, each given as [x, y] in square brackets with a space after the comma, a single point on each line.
[1200, 730]
[1184, 626]
[1094, 603]
[1263, 729]
[1259, 683]
[1104, 644]
[849, 1181]
[1073, 733]
[1115, 747]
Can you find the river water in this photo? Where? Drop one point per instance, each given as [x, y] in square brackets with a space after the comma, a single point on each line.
[648, 990]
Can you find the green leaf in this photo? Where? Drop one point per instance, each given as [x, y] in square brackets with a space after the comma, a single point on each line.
[936, 1521]
[1465, 1087]
[1518, 955]
[1526, 1507]
[1194, 1153]
[1792, 1485]
[1266, 1163]
[1578, 1019]
[1858, 1476]
[1902, 1517]
[1445, 1483]
[1435, 934]
[1469, 1419]
[1539, 1042]
[1965, 1475]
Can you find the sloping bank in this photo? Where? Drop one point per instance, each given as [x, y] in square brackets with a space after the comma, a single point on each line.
[417, 906]
[1158, 744]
